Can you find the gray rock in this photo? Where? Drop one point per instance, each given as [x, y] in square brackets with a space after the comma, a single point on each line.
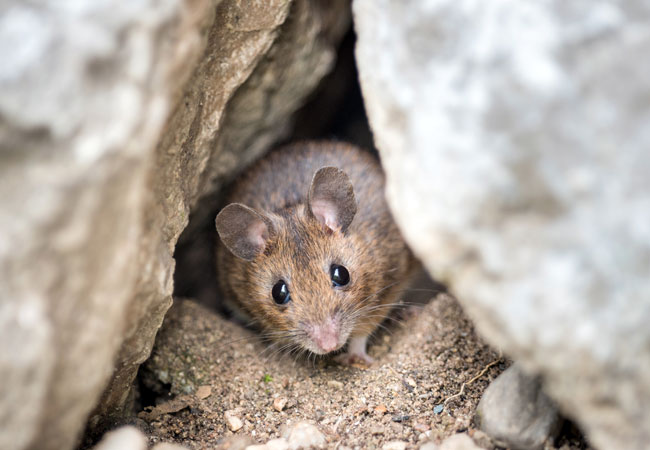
[516, 413]
[515, 140]
[114, 119]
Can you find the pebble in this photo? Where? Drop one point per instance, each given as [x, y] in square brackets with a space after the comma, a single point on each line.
[234, 422]
[421, 427]
[303, 435]
[168, 446]
[273, 444]
[459, 441]
[236, 442]
[400, 418]
[124, 438]
[429, 446]
[481, 439]
[203, 392]
[335, 384]
[279, 403]
[394, 445]
[515, 412]
[381, 409]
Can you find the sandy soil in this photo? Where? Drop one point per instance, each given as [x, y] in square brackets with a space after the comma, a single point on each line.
[208, 376]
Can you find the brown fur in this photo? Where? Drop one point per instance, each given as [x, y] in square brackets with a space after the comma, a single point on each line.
[300, 250]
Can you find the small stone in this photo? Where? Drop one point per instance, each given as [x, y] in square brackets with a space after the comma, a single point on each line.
[168, 446]
[234, 422]
[279, 403]
[459, 441]
[515, 412]
[438, 409]
[235, 442]
[381, 409]
[377, 430]
[335, 384]
[421, 427]
[394, 445]
[400, 418]
[429, 446]
[273, 444]
[123, 438]
[203, 392]
[304, 435]
[481, 439]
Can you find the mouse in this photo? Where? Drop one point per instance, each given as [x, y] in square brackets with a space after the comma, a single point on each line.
[308, 251]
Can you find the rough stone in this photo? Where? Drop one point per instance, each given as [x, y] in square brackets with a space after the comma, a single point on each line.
[84, 91]
[125, 438]
[303, 435]
[516, 413]
[514, 136]
[94, 199]
[233, 420]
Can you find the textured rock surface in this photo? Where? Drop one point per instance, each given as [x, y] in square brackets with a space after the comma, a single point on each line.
[93, 199]
[261, 61]
[516, 413]
[84, 91]
[521, 128]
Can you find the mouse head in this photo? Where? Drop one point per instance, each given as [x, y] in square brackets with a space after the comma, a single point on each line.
[297, 271]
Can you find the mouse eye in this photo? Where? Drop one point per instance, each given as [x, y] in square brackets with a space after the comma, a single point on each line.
[280, 293]
[339, 275]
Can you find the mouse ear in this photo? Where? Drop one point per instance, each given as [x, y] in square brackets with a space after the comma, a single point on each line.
[243, 230]
[331, 198]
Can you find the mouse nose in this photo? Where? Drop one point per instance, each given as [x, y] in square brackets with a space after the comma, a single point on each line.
[326, 336]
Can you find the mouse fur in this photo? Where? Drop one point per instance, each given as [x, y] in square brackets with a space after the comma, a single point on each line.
[293, 215]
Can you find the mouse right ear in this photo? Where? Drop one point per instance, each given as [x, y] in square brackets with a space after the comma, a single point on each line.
[243, 230]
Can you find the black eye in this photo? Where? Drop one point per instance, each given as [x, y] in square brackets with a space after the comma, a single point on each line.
[280, 293]
[339, 275]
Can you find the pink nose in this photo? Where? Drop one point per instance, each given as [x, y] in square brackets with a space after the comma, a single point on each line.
[326, 336]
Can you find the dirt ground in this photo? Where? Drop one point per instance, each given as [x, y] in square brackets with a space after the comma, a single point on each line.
[209, 375]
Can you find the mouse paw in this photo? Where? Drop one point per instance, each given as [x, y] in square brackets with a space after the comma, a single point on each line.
[354, 359]
[356, 354]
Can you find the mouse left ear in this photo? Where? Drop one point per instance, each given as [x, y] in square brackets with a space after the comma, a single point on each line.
[331, 198]
[244, 231]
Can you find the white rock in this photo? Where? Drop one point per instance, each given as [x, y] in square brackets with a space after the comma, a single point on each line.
[394, 445]
[304, 435]
[515, 139]
[233, 421]
[168, 446]
[429, 446]
[125, 438]
[459, 441]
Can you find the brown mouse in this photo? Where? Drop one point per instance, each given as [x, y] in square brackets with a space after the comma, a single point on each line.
[309, 251]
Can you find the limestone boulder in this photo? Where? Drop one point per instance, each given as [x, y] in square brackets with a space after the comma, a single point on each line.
[515, 140]
[115, 117]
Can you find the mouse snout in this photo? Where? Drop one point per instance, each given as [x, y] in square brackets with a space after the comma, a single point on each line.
[325, 335]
